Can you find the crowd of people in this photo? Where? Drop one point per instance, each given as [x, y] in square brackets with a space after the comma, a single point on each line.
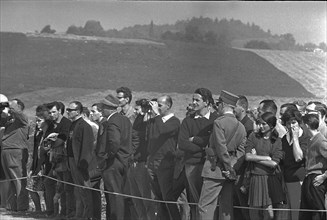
[222, 161]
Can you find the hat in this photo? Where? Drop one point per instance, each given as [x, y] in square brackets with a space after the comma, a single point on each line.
[228, 98]
[300, 104]
[110, 101]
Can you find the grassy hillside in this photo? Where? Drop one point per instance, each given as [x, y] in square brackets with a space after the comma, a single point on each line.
[46, 62]
[308, 68]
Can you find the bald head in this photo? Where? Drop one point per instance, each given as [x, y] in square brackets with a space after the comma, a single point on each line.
[164, 104]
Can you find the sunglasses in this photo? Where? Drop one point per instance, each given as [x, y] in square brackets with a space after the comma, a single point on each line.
[71, 109]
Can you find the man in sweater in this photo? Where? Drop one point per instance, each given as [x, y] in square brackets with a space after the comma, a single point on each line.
[224, 157]
[162, 135]
[314, 185]
[193, 138]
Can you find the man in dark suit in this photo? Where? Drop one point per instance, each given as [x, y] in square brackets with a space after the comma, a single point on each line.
[219, 172]
[114, 150]
[79, 151]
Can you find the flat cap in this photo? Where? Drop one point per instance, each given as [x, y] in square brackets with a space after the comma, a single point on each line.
[110, 101]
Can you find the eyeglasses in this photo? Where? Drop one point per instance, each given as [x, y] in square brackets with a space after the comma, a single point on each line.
[121, 97]
[71, 109]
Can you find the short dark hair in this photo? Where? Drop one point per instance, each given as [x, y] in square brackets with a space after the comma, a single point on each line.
[86, 111]
[100, 106]
[56, 104]
[243, 101]
[141, 102]
[20, 103]
[312, 120]
[79, 106]
[61, 107]
[269, 105]
[289, 106]
[205, 94]
[291, 114]
[127, 93]
[42, 111]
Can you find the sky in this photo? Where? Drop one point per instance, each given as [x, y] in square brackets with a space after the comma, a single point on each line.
[305, 20]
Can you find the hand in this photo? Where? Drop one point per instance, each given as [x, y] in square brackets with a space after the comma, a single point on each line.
[318, 180]
[253, 151]
[229, 175]
[155, 107]
[87, 183]
[295, 128]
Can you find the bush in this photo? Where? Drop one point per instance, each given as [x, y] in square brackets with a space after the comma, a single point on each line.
[255, 44]
[47, 29]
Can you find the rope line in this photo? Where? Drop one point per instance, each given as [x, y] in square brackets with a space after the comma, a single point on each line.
[160, 201]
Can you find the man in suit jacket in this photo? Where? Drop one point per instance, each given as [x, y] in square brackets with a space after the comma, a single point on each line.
[114, 150]
[227, 144]
[79, 151]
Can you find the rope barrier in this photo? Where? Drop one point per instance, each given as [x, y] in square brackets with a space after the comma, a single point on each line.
[161, 201]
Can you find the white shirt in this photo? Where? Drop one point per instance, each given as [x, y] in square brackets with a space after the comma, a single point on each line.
[207, 116]
[167, 117]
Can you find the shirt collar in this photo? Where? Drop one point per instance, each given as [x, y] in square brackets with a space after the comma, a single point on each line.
[111, 115]
[207, 116]
[167, 117]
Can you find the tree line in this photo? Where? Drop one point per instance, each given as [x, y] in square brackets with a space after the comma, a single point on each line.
[200, 30]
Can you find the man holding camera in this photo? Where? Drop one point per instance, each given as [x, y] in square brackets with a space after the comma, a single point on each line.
[162, 135]
[14, 153]
[219, 172]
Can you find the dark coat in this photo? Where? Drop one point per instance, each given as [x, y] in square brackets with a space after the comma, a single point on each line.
[82, 144]
[115, 139]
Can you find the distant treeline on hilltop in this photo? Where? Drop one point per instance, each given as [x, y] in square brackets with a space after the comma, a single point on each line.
[201, 30]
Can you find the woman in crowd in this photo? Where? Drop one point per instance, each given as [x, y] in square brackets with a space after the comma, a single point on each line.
[294, 145]
[41, 164]
[264, 151]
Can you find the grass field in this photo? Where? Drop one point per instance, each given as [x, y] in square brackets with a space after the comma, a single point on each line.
[43, 62]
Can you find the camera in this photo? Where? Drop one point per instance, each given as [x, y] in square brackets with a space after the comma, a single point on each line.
[145, 104]
[3, 105]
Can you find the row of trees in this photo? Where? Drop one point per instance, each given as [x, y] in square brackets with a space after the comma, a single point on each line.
[201, 30]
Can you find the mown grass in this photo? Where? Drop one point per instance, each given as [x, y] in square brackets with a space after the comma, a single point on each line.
[177, 67]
